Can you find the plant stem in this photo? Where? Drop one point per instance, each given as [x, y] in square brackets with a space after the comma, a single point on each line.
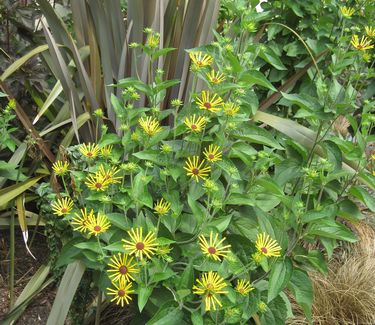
[98, 308]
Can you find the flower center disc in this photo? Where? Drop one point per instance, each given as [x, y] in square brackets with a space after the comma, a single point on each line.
[97, 228]
[64, 210]
[207, 105]
[139, 246]
[195, 171]
[121, 293]
[210, 286]
[89, 154]
[193, 126]
[123, 269]
[264, 250]
[211, 156]
[98, 185]
[211, 250]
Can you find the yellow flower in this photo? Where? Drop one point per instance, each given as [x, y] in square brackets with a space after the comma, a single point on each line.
[195, 124]
[361, 45]
[60, 167]
[121, 268]
[139, 245]
[196, 169]
[347, 12]
[210, 286]
[97, 182]
[370, 31]
[109, 174]
[212, 154]
[150, 125]
[153, 40]
[81, 221]
[62, 206]
[267, 246]
[206, 102]
[106, 151]
[121, 293]
[215, 78]
[213, 248]
[373, 156]
[244, 287]
[200, 60]
[162, 207]
[231, 109]
[91, 150]
[98, 224]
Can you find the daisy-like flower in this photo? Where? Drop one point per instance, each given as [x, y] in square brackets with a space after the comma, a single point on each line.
[63, 206]
[361, 45]
[213, 248]
[244, 287]
[122, 268]
[370, 31]
[121, 293]
[60, 167]
[210, 286]
[90, 150]
[347, 12]
[109, 174]
[97, 182]
[210, 103]
[81, 221]
[140, 246]
[201, 60]
[150, 125]
[212, 153]
[195, 123]
[106, 151]
[162, 207]
[99, 224]
[267, 246]
[195, 169]
[231, 109]
[215, 77]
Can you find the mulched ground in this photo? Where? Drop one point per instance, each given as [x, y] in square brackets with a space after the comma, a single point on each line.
[25, 267]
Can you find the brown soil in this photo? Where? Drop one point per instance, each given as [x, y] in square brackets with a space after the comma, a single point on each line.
[25, 267]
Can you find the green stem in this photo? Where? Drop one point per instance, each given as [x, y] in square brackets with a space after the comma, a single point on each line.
[12, 242]
[98, 308]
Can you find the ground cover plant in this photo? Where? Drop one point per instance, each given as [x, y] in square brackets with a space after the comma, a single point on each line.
[193, 204]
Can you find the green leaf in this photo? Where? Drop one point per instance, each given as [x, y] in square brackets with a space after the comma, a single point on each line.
[301, 287]
[220, 223]
[9, 193]
[143, 294]
[280, 275]
[115, 247]
[272, 58]
[196, 318]
[167, 316]
[254, 77]
[21, 61]
[258, 135]
[90, 245]
[349, 211]
[161, 276]
[332, 229]
[315, 258]
[328, 211]
[364, 196]
[65, 293]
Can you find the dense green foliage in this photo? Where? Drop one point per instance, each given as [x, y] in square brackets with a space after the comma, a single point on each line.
[292, 173]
